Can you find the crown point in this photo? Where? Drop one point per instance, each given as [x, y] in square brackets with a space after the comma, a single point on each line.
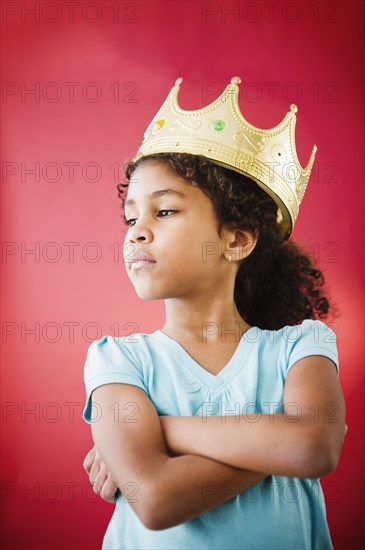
[314, 149]
[293, 108]
[235, 80]
[178, 81]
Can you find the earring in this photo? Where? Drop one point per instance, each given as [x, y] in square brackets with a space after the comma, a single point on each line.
[229, 259]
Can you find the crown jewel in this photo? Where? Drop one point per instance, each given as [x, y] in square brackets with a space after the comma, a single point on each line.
[220, 133]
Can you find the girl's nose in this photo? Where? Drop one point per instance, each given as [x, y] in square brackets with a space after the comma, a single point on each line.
[139, 231]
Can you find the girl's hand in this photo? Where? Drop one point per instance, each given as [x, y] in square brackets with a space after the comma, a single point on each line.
[99, 476]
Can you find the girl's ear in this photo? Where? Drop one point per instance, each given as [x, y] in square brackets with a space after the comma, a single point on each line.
[239, 243]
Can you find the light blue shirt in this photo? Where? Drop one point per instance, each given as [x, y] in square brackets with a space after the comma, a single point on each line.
[280, 513]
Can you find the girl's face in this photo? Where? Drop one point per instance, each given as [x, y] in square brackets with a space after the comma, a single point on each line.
[178, 230]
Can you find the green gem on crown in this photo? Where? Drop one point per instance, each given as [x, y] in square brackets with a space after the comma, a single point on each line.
[218, 125]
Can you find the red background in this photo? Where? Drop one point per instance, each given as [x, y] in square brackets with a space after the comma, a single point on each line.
[308, 53]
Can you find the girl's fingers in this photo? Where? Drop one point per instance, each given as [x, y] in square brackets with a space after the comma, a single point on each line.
[89, 459]
[94, 470]
[99, 481]
[104, 486]
[99, 477]
[109, 489]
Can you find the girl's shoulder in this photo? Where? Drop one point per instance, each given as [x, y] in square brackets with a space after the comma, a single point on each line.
[310, 337]
[310, 330]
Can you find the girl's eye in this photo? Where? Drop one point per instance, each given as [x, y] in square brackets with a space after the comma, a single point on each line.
[128, 222]
[167, 211]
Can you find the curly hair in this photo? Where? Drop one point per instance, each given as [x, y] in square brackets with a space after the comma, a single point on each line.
[278, 283]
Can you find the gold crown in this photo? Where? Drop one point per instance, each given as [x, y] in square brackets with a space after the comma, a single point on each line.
[220, 133]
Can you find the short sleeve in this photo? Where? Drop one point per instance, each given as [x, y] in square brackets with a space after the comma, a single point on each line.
[311, 337]
[109, 361]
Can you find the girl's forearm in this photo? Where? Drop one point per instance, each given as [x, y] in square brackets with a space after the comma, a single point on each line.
[185, 486]
[188, 486]
[270, 443]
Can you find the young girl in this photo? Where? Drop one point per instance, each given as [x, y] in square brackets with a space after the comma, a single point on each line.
[216, 428]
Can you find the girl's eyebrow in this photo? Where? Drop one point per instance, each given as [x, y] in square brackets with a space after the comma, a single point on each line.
[158, 194]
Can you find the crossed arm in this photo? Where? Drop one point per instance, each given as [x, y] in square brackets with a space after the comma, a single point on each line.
[220, 457]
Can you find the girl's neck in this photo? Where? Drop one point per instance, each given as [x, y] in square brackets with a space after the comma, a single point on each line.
[211, 320]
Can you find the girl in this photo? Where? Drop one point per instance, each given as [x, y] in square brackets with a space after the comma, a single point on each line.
[216, 428]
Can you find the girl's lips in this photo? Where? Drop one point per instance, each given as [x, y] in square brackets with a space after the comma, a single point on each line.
[141, 263]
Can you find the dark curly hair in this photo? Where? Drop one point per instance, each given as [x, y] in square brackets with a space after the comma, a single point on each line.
[277, 284]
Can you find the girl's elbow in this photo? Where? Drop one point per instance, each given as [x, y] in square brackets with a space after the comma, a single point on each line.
[331, 459]
[155, 521]
[320, 458]
[154, 524]
[161, 515]
[146, 507]
[149, 522]
[155, 516]
[151, 519]
[319, 465]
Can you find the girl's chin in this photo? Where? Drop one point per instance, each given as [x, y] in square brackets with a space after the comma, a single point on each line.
[153, 294]
[147, 294]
